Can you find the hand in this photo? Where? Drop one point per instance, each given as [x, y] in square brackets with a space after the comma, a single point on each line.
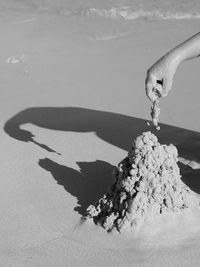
[159, 77]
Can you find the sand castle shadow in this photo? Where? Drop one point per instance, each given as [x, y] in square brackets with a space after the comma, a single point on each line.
[88, 185]
[116, 129]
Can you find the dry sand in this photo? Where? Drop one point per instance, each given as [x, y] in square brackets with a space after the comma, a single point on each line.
[72, 100]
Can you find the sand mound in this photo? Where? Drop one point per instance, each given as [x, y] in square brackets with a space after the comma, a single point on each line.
[146, 182]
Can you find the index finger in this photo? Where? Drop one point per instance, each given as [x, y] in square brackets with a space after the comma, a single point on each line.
[150, 91]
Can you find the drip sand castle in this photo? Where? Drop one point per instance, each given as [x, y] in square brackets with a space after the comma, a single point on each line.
[147, 182]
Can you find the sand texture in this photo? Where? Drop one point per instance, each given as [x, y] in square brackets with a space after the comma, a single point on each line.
[155, 112]
[72, 102]
[146, 183]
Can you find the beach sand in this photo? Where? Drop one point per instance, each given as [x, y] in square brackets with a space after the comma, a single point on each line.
[72, 101]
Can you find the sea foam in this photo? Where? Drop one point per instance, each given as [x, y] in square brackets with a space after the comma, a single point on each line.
[129, 14]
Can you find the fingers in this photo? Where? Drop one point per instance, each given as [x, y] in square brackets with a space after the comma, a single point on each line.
[153, 88]
[156, 88]
[149, 85]
[151, 93]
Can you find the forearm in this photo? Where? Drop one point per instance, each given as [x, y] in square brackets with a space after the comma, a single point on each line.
[186, 50]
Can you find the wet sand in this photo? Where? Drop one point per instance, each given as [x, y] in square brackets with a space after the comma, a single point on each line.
[72, 101]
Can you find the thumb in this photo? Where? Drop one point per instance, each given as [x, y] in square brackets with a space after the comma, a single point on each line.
[153, 90]
[150, 92]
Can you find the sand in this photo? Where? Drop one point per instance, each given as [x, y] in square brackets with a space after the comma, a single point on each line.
[72, 100]
[146, 183]
[155, 112]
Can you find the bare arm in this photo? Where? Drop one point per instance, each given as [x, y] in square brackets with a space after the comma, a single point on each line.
[159, 77]
[188, 49]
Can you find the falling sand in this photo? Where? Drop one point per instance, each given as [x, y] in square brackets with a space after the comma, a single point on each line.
[147, 182]
[155, 112]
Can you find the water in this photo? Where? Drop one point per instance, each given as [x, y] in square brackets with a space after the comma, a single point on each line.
[114, 9]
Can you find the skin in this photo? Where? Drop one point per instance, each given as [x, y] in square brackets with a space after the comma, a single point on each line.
[159, 77]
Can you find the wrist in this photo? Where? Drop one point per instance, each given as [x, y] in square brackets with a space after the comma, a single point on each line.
[176, 56]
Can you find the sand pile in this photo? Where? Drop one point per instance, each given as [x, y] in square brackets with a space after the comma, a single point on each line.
[147, 182]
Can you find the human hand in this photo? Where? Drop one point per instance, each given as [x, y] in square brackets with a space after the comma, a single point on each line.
[159, 77]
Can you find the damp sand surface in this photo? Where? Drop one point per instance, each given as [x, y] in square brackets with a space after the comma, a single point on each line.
[147, 183]
[69, 113]
[164, 240]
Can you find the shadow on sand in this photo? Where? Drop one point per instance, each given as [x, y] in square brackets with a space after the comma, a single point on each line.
[88, 185]
[119, 130]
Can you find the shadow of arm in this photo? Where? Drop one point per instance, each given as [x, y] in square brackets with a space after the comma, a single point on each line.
[12, 127]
